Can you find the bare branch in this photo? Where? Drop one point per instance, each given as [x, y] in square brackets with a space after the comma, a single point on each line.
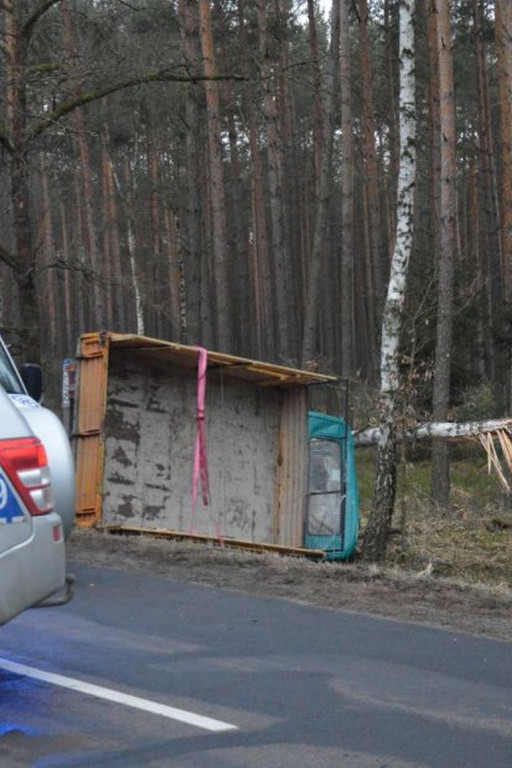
[129, 5]
[160, 76]
[5, 142]
[39, 11]
[8, 258]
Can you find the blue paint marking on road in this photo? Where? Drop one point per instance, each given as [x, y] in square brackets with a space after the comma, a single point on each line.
[10, 508]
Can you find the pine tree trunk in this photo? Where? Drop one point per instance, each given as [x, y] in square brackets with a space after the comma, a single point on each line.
[154, 283]
[221, 260]
[483, 341]
[237, 232]
[504, 53]
[25, 268]
[91, 237]
[323, 187]
[192, 226]
[447, 248]
[275, 184]
[48, 275]
[72, 320]
[174, 275]
[289, 188]
[488, 166]
[347, 200]
[78, 256]
[390, 14]
[108, 271]
[373, 221]
[127, 198]
[261, 267]
[116, 289]
[434, 133]
[318, 130]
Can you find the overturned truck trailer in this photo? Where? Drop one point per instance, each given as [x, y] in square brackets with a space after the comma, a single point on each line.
[136, 442]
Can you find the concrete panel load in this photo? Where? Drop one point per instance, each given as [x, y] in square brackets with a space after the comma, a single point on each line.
[135, 440]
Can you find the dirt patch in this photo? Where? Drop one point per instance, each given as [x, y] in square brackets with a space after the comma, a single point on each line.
[425, 598]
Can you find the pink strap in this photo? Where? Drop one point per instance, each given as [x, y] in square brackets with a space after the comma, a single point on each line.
[200, 455]
[201, 458]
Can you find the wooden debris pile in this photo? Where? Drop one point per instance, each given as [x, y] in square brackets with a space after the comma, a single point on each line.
[502, 464]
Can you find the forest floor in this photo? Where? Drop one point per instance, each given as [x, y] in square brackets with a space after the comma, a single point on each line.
[419, 596]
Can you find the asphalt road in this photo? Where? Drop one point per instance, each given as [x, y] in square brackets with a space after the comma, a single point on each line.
[141, 671]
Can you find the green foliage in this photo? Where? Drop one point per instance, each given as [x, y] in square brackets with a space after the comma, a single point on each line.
[475, 403]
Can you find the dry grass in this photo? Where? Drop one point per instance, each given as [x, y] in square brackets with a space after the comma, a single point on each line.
[472, 540]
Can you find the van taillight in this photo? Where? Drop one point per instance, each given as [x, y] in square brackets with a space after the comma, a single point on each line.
[24, 460]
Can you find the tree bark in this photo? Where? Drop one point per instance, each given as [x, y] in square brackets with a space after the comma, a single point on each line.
[347, 196]
[390, 14]
[488, 168]
[48, 275]
[192, 226]
[127, 198]
[379, 522]
[220, 264]
[237, 231]
[446, 430]
[371, 184]
[289, 189]
[117, 283]
[447, 248]
[275, 184]
[323, 187]
[155, 285]
[483, 340]
[24, 265]
[71, 319]
[173, 275]
[108, 270]
[264, 331]
[318, 130]
[504, 53]
[91, 235]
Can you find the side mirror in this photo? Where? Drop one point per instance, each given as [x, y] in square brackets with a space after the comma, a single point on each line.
[32, 377]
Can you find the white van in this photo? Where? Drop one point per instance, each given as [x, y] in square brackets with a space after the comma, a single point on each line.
[36, 497]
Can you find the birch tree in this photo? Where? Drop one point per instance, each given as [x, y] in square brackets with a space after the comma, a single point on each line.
[379, 523]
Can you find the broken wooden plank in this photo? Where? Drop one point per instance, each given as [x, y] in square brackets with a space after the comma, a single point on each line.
[252, 546]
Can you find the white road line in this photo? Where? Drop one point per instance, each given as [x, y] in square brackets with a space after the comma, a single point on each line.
[120, 698]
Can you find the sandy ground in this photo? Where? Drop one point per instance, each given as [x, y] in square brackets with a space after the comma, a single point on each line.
[414, 597]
